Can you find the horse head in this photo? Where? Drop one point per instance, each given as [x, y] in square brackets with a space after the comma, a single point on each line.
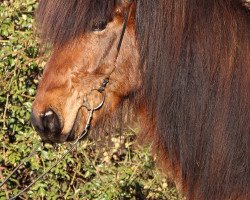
[78, 68]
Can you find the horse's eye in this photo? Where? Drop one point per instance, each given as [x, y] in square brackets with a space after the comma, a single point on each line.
[99, 26]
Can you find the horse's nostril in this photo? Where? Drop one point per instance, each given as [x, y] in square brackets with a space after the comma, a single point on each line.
[50, 122]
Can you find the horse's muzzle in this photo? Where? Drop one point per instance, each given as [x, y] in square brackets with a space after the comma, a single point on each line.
[48, 125]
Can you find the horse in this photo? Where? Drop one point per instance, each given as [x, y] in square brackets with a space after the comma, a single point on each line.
[182, 66]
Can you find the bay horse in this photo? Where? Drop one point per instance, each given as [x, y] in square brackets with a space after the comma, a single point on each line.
[183, 67]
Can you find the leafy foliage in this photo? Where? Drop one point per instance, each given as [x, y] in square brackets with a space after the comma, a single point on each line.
[94, 171]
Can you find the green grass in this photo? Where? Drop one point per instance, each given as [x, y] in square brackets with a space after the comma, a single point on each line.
[118, 170]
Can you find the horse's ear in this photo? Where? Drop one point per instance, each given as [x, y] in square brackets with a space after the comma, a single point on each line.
[122, 5]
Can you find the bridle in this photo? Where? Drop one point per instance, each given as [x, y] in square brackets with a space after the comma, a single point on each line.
[85, 104]
[106, 80]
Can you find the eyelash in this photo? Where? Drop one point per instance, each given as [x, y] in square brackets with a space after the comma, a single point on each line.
[99, 26]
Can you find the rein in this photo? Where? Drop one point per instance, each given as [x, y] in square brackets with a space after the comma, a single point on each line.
[85, 104]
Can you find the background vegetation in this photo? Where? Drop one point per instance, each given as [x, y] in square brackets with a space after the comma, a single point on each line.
[117, 171]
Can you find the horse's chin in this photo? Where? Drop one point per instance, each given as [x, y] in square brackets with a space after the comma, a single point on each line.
[52, 139]
[77, 127]
[62, 138]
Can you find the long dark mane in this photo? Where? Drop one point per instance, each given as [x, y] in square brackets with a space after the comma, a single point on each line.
[196, 58]
[196, 62]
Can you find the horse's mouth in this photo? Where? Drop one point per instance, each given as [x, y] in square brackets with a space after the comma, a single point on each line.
[71, 137]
